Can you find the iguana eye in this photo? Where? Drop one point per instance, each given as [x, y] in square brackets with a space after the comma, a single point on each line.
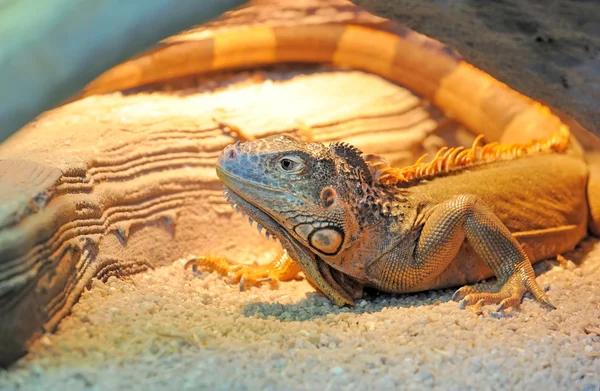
[291, 164]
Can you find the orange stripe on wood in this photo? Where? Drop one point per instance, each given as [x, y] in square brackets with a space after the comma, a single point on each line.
[420, 64]
[367, 49]
[316, 44]
[491, 108]
[535, 122]
[244, 48]
[171, 61]
[413, 60]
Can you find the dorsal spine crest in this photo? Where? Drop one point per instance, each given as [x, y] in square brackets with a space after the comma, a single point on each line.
[449, 160]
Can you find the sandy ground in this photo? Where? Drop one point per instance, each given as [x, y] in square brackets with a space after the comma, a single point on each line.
[169, 330]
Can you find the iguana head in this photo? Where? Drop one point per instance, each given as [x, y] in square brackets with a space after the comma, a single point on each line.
[305, 194]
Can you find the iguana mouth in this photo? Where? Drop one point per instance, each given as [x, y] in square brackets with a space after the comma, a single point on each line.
[272, 229]
[246, 207]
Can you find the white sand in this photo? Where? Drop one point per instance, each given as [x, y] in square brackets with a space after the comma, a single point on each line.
[169, 330]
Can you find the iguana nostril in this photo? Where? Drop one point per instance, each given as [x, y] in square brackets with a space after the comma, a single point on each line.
[231, 154]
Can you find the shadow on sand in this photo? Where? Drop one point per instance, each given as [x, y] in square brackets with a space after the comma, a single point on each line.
[315, 306]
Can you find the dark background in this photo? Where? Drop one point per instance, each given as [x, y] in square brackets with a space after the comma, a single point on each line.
[548, 50]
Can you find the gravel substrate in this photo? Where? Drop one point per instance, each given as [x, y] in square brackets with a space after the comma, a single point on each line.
[169, 330]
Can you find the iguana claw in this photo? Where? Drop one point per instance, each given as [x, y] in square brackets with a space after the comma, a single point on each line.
[507, 294]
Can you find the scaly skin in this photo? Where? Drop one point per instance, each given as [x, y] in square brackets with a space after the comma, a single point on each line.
[348, 222]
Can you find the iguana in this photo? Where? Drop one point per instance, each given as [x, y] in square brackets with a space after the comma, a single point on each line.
[349, 220]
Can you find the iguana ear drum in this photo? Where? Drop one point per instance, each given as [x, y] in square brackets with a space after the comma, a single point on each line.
[328, 196]
[326, 240]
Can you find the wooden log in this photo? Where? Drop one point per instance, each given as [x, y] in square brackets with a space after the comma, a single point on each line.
[123, 179]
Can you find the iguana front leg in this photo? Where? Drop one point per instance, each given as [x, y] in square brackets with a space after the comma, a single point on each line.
[468, 216]
[282, 268]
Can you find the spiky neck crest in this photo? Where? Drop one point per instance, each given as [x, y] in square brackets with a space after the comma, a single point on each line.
[452, 160]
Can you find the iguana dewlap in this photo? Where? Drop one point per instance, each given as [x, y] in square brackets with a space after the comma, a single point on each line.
[350, 221]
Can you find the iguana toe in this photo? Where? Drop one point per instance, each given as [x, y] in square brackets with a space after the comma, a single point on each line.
[489, 298]
[508, 294]
[281, 269]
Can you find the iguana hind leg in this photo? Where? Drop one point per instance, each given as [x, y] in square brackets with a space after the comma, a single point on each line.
[282, 268]
[467, 216]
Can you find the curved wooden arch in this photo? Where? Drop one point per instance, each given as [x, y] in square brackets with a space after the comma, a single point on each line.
[355, 40]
